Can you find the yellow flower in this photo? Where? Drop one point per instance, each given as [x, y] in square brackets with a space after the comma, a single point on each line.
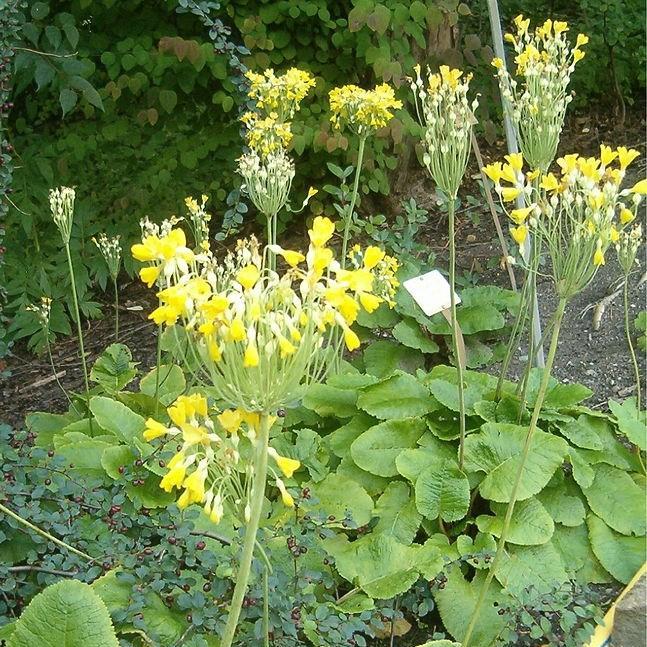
[607, 155]
[494, 172]
[286, 497]
[450, 76]
[292, 258]
[286, 347]
[369, 301]
[322, 230]
[582, 39]
[215, 352]
[194, 484]
[351, 339]
[519, 234]
[549, 183]
[515, 160]
[248, 276]
[508, 194]
[640, 187]
[237, 330]
[522, 24]
[560, 27]
[216, 305]
[149, 274]
[519, 215]
[372, 256]
[154, 429]
[497, 63]
[250, 360]
[578, 55]
[230, 420]
[626, 216]
[175, 476]
[614, 234]
[287, 465]
[598, 257]
[596, 201]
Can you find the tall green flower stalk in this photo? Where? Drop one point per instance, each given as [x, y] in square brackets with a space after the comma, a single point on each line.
[61, 202]
[110, 249]
[447, 119]
[363, 112]
[627, 245]
[257, 340]
[577, 216]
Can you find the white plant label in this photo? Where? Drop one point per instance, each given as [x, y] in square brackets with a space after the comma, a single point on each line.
[431, 292]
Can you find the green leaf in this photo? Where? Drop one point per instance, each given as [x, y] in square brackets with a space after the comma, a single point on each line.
[558, 396]
[456, 603]
[582, 471]
[40, 10]
[383, 358]
[580, 562]
[115, 457]
[621, 556]
[65, 614]
[409, 333]
[472, 320]
[396, 510]
[117, 418]
[377, 448]
[373, 484]
[168, 100]
[327, 400]
[410, 463]
[150, 494]
[442, 490]
[172, 383]
[67, 98]
[477, 550]
[81, 451]
[339, 496]
[631, 422]
[379, 20]
[617, 499]
[530, 523]
[539, 567]
[496, 450]
[580, 433]
[342, 438]
[400, 396]
[89, 92]
[443, 384]
[567, 509]
[114, 368]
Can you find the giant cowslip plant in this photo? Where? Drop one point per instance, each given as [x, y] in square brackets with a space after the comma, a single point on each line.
[255, 339]
[577, 214]
[447, 119]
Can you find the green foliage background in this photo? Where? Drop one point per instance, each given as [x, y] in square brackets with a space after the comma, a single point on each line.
[128, 101]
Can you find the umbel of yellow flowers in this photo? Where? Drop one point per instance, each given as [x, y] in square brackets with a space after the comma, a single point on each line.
[577, 213]
[537, 98]
[447, 118]
[261, 336]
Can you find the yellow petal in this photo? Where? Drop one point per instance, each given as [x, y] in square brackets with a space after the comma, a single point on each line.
[250, 360]
[508, 194]
[248, 276]
[149, 274]
[154, 429]
[640, 187]
[351, 339]
[372, 256]
[230, 420]
[322, 230]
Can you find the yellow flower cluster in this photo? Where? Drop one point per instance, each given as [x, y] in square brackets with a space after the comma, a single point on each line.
[251, 326]
[447, 117]
[205, 465]
[577, 213]
[537, 101]
[279, 94]
[364, 111]
[266, 135]
[199, 219]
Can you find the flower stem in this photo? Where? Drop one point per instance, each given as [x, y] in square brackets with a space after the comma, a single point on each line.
[559, 314]
[353, 200]
[43, 533]
[631, 344]
[77, 316]
[266, 607]
[116, 310]
[451, 208]
[257, 497]
[158, 361]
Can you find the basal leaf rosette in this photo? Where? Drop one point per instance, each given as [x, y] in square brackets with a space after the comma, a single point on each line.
[537, 95]
[261, 337]
[447, 118]
[362, 111]
[576, 213]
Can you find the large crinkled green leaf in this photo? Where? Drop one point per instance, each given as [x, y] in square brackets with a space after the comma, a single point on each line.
[400, 396]
[621, 556]
[563, 504]
[539, 567]
[339, 496]
[170, 381]
[411, 334]
[377, 448]
[383, 358]
[397, 514]
[327, 400]
[617, 499]
[443, 384]
[456, 603]
[472, 319]
[117, 418]
[631, 422]
[65, 614]
[530, 523]
[114, 368]
[380, 565]
[372, 483]
[558, 396]
[581, 433]
[82, 452]
[442, 490]
[477, 550]
[410, 463]
[582, 471]
[340, 440]
[578, 559]
[496, 450]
